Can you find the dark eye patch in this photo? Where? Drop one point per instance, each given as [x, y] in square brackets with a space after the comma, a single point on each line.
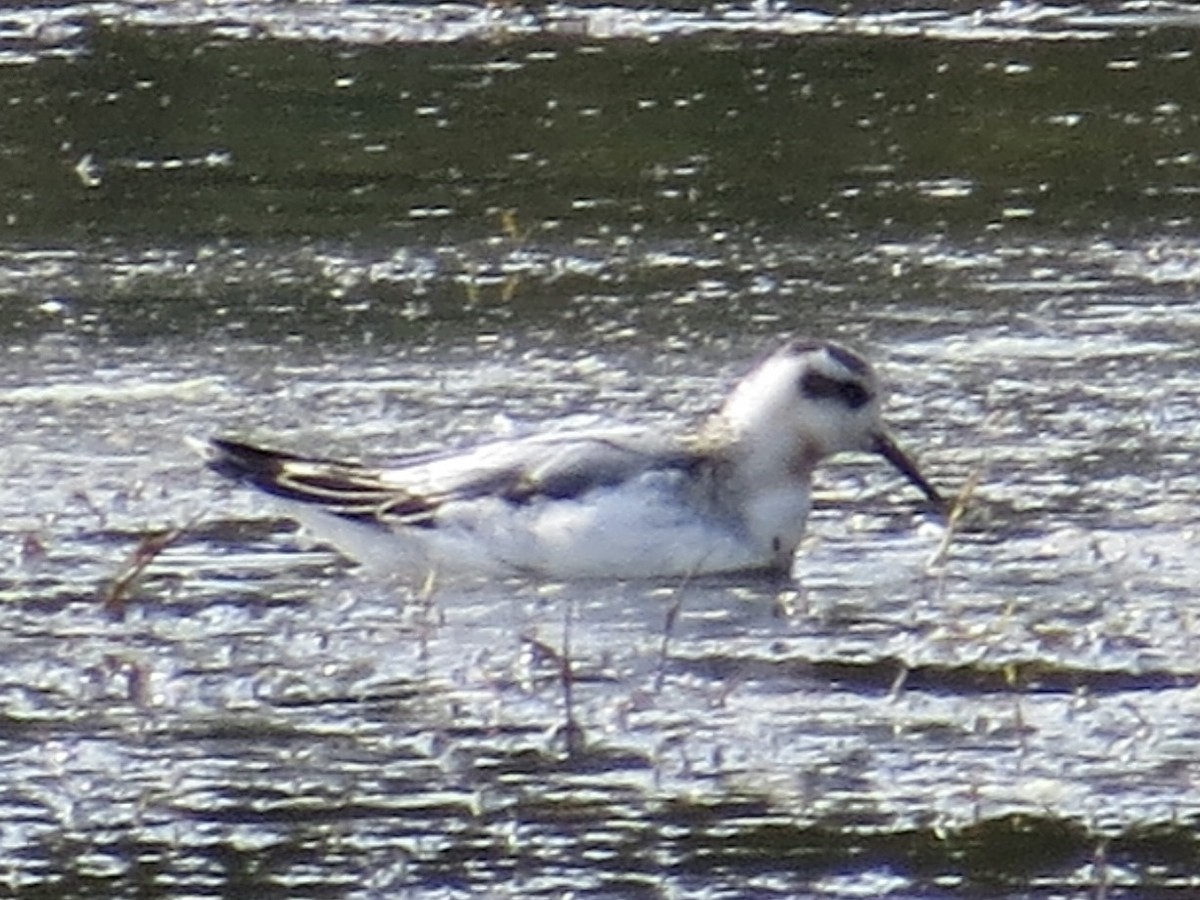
[821, 387]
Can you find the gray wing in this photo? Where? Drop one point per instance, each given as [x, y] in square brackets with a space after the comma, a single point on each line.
[520, 472]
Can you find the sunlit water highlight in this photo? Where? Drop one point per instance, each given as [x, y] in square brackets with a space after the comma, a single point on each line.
[253, 685]
[1014, 708]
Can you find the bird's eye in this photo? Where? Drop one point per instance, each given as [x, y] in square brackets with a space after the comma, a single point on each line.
[817, 386]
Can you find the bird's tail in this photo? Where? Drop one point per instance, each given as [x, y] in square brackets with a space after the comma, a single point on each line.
[344, 489]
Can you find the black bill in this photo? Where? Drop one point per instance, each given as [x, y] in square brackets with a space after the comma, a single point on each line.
[887, 448]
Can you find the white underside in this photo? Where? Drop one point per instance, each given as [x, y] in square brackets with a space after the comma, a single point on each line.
[641, 529]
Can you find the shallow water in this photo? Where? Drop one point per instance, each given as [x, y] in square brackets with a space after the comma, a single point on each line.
[324, 227]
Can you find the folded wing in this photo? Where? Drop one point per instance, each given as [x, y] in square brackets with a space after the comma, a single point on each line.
[411, 494]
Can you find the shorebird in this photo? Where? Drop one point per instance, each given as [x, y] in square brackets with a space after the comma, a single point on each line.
[729, 495]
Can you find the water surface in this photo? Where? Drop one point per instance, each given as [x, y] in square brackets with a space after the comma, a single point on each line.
[362, 228]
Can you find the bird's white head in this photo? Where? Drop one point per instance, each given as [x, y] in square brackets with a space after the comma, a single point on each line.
[806, 401]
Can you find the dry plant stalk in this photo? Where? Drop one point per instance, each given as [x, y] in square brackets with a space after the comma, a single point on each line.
[958, 509]
[116, 598]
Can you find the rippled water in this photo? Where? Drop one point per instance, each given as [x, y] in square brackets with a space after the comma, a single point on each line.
[268, 710]
[1008, 708]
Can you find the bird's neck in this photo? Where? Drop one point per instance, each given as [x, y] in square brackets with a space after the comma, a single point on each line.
[760, 454]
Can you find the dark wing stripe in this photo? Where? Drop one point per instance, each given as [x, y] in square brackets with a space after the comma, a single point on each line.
[568, 477]
[353, 495]
[340, 488]
[357, 493]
